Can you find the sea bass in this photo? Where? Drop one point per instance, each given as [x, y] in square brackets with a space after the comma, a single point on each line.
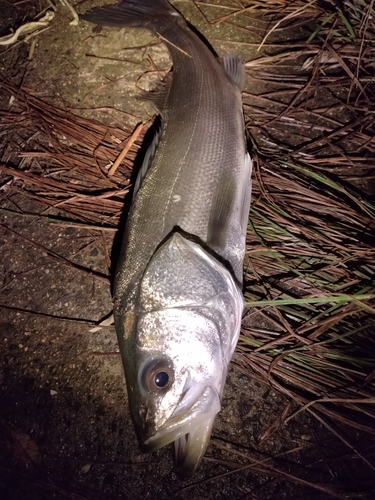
[177, 294]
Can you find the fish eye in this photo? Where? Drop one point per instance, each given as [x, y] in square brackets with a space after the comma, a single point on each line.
[157, 376]
[161, 379]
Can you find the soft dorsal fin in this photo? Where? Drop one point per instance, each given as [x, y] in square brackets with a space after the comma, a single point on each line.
[149, 155]
[235, 69]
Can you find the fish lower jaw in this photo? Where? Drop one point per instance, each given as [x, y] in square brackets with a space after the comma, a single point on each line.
[190, 448]
[187, 417]
[166, 436]
[190, 433]
[190, 444]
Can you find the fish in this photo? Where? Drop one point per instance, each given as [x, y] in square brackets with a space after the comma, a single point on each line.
[178, 298]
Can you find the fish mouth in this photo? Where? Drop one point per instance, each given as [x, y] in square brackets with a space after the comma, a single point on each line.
[189, 428]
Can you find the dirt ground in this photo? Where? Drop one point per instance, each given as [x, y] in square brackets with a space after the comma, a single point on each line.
[65, 428]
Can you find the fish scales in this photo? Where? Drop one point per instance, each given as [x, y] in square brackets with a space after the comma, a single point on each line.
[177, 296]
[197, 145]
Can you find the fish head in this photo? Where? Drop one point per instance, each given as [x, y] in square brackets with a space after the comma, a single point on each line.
[187, 324]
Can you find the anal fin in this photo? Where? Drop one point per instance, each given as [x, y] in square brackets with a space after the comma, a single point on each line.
[147, 160]
[235, 69]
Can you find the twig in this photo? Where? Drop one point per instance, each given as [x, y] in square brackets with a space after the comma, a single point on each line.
[124, 152]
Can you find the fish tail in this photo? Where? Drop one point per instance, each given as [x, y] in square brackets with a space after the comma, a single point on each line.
[132, 13]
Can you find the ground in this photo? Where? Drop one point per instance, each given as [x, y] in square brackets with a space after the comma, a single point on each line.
[65, 428]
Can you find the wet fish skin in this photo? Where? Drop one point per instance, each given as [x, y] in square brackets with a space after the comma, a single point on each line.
[177, 297]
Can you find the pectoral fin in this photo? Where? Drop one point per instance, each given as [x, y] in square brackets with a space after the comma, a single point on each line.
[245, 194]
[229, 217]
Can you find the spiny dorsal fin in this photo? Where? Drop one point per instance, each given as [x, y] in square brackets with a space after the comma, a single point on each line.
[235, 69]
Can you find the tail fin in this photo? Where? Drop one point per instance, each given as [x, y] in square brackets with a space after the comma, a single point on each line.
[135, 13]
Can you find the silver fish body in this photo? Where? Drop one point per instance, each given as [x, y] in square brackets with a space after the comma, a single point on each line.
[177, 294]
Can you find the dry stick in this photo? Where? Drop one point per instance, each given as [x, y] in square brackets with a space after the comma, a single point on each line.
[18, 276]
[35, 179]
[370, 400]
[275, 426]
[201, 12]
[105, 250]
[103, 85]
[280, 317]
[216, 22]
[337, 416]
[80, 214]
[216, 6]
[117, 60]
[168, 42]
[264, 377]
[158, 71]
[289, 16]
[270, 468]
[322, 421]
[50, 485]
[304, 89]
[266, 61]
[273, 342]
[324, 458]
[366, 21]
[50, 316]
[336, 56]
[225, 445]
[290, 371]
[129, 144]
[58, 257]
